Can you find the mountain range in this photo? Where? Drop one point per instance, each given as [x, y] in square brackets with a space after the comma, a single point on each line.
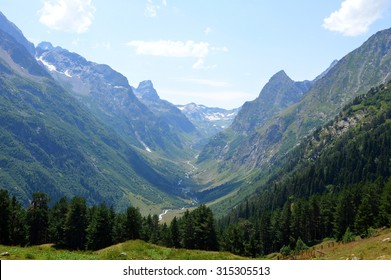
[69, 126]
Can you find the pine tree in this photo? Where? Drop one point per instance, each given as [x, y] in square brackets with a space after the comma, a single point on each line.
[133, 223]
[385, 205]
[5, 215]
[57, 218]
[18, 224]
[76, 224]
[99, 230]
[175, 234]
[38, 219]
[187, 231]
[119, 228]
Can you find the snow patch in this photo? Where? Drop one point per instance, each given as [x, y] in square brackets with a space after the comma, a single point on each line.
[53, 68]
[49, 66]
[146, 147]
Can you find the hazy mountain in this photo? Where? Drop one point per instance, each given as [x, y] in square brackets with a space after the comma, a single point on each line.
[109, 96]
[207, 120]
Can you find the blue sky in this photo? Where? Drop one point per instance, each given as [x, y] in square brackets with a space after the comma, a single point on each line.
[216, 52]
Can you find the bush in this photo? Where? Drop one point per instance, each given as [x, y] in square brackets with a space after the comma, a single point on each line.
[348, 236]
[285, 250]
[300, 246]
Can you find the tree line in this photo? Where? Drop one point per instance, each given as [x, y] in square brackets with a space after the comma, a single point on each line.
[357, 210]
[74, 225]
[333, 185]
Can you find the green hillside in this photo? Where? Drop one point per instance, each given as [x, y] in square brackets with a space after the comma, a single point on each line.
[334, 184]
[230, 163]
[51, 143]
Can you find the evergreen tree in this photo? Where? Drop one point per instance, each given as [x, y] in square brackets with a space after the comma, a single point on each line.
[119, 228]
[175, 234]
[38, 219]
[18, 224]
[133, 223]
[165, 236]
[57, 218]
[99, 230]
[187, 231]
[385, 205]
[345, 212]
[76, 224]
[155, 230]
[5, 215]
[368, 210]
[205, 237]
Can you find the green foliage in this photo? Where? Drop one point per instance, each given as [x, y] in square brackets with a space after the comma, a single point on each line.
[348, 236]
[38, 219]
[50, 143]
[334, 184]
[300, 246]
[5, 213]
[57, 218]
[76, 224]
[285, 250]
[197, 229]
[73, 225]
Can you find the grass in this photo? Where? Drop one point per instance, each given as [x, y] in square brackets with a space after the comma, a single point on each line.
[130, 250]
[371, 248]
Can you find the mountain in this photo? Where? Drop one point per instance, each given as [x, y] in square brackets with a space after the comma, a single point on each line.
[335, 184]
[163, 109]
[109, 96]
[11, 29]
[279, 93]
[236, 161]
[52, 143]
[207, 120]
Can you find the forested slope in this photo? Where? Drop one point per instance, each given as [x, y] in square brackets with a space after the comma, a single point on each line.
[335, 182]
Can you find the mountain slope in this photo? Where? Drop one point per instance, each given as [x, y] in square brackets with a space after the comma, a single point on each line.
[183, 130]
[335, 183]
[11, 29]
[356, 73]
[52, 143]
[109, 96]
[279, 93]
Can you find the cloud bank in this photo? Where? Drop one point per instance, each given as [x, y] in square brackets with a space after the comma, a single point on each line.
[73, 16]
[354, 17]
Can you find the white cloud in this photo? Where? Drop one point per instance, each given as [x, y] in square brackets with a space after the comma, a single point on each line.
[167, 48]
[208, 30]
[151, 8]
[200, 65]
[354, 17]
[67, 15]
[171, 48]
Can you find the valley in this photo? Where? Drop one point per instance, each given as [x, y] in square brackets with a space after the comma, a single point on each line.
[304, 162]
